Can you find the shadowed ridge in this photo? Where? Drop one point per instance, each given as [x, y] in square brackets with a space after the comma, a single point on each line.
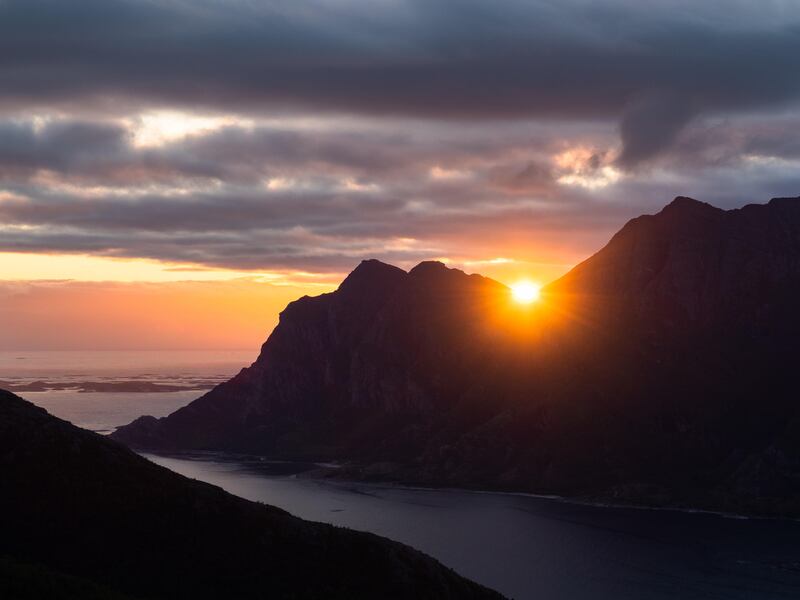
[437, 273]
[372, 273]
[786, 202]
[638, 254]
[365, 289]
[78, 504]
[686, 206]
[430, 268]
[684, 228]
[362, 293]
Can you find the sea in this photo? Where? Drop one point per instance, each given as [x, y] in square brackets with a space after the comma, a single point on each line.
[101, 390]
[526, 547]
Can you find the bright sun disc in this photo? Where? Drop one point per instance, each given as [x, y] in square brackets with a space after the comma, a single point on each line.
[525, 292]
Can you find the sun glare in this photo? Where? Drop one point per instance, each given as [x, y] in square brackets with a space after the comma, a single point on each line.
[525, 292]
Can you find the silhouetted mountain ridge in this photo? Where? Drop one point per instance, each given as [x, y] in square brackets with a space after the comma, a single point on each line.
[661, 369]
[84, 517]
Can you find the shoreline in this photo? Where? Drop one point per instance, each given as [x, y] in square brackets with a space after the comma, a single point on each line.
[575, 500]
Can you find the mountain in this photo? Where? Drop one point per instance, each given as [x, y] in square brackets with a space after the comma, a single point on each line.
[661, 370]
[82, 516]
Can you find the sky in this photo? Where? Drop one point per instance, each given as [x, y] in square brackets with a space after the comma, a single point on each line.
[173, 172]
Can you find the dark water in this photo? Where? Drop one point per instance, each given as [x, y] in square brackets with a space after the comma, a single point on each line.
[536, 548]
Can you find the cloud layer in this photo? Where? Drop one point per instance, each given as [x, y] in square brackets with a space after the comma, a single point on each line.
[307, 135]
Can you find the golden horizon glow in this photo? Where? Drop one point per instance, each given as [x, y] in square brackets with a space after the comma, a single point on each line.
[182, 315]
[115, 302]
[21, 266]
[525, 291]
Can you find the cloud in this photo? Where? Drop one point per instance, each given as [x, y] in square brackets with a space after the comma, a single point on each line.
[650, 125]
[321, 198]
[309, 135]
[27, 146]
[432, 58]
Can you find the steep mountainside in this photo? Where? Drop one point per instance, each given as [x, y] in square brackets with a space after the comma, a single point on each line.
[84, 517]
[659, 370]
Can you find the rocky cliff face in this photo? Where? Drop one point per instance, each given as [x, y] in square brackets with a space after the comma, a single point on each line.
[660, 369]
[386, 348]
[694, 264]
[84, 517]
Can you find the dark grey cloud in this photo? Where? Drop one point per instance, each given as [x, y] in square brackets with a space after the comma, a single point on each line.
[370, 122]
[650, 125]
[60, 146]
[728, 142]
[95, 153]
[324, 243]
[432, 58]
[350, 199]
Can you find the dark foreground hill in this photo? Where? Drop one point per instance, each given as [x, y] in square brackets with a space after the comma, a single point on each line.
[661, 370]
[84, 517]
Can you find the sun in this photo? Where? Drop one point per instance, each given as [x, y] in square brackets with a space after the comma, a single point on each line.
[525, 292]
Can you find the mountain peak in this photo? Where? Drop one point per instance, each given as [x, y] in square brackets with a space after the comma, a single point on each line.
[684, 204]
[372, 273]
[429, 266]
[785, 202]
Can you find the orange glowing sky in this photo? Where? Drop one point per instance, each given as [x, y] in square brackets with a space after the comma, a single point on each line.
[144, 204]
[62, 301]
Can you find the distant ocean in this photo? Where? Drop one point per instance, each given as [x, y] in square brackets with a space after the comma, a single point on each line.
[101, 390]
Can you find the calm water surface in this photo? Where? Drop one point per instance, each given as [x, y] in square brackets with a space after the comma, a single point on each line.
[527, 548]
[536, 548]
[103, 411]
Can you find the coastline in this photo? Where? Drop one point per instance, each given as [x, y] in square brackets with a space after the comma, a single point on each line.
[323, 471]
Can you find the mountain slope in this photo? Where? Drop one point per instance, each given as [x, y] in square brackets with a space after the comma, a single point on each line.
[81, 514]
[659, 370]
[385, 345]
